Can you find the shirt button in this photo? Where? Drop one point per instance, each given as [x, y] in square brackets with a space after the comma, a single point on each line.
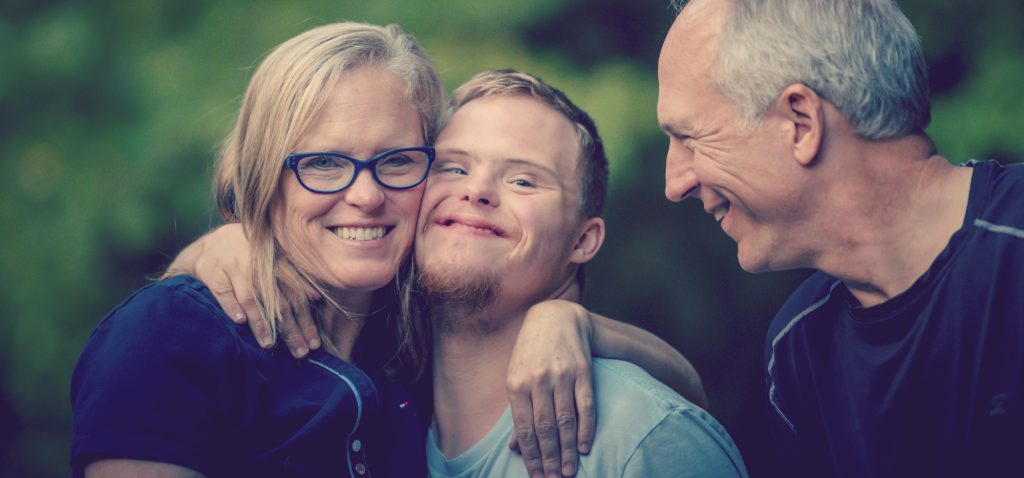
[357, 445]
[360, 468]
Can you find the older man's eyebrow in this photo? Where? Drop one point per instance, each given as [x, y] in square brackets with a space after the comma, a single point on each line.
[672, 131]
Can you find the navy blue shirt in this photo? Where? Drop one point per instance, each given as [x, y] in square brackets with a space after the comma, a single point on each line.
[929, 383]
[167, 377]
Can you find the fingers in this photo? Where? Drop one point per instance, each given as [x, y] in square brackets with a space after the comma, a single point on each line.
[241, 291]
[293, 337]
[565, 419]
[522, 417]
[233, 291]
[308, 326]
[234, 294]
[219, 284]
[546, 429]
[261, 330]
[246, 296]
[586, 411]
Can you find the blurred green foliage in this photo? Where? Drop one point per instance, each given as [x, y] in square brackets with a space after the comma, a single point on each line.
[110, 112]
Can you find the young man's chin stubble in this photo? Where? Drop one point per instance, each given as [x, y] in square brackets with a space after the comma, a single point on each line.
[456, 299]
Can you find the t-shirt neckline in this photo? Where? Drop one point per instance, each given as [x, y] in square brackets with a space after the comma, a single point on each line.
[977, 200]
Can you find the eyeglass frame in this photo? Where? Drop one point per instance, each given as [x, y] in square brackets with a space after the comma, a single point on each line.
[292, 162]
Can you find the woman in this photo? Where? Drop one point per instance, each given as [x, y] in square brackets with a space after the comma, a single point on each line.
[166, 385]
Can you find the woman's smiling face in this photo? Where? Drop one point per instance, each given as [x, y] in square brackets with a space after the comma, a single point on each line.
[355, 239]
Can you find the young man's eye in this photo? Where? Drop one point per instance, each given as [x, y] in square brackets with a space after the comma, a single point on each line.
[449, 168]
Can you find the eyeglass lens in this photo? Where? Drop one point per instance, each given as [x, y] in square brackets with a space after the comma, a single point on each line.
[328, 172]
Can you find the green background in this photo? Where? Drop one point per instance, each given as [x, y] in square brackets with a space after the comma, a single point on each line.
[110, 112]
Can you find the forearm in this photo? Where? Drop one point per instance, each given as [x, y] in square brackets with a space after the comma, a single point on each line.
[152, 469]
[185, 261]
[618, 340]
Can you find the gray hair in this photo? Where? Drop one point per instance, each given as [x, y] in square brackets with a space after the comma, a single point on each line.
[862, 56]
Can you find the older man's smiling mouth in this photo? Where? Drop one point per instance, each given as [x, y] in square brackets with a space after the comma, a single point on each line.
[717, 210]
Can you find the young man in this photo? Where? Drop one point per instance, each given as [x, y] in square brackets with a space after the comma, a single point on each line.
[512, 212]
[800, 126]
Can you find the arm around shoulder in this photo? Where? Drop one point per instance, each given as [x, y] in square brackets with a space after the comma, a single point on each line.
[149, 469]
[686, 443]
[618, 340]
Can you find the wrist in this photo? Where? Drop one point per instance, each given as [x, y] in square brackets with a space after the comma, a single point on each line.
[560, 309]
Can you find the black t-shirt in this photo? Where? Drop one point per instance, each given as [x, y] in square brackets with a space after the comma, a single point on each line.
[167, 377]
[929, 383]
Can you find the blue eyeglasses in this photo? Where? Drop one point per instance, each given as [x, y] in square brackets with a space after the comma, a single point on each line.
[327, 173]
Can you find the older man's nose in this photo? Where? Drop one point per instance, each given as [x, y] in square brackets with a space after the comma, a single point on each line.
[680, 183]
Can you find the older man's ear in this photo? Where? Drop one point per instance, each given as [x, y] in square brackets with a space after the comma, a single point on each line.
[804, 113]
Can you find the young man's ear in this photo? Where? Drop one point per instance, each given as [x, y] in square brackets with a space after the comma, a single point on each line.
[804, 113]
[589, 241]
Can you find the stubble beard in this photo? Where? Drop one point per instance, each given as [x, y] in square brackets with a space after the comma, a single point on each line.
[458, 299]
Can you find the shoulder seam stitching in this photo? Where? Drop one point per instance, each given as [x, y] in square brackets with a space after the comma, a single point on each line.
[999, 228]
[775, 341]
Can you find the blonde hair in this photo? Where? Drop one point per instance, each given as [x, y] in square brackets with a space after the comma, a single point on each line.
[284, 96]
[593, 165]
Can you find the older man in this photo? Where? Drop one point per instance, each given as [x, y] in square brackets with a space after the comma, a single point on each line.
[512, 212]
[799, 125]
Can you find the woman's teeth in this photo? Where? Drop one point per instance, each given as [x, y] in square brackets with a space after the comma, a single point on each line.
[360, 233]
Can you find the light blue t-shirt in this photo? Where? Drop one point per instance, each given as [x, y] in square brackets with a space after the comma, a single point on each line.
[644, 429]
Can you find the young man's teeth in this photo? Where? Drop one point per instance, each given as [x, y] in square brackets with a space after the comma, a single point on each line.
[360, 233]
[719, 212]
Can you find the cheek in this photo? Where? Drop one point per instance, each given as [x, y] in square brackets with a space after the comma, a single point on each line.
[296, 205]
[407, 203]
[435, 192]
[297, 219]
[724, 165]
[547, 234]
[306, 211]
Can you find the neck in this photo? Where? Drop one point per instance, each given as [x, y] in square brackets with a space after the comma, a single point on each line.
[470, 366]
[341, 327]
[893, 207]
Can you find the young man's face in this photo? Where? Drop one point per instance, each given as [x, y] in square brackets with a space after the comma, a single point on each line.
[503, 199]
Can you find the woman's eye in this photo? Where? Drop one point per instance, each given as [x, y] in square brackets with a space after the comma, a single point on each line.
[320, 162]
[396, 160]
